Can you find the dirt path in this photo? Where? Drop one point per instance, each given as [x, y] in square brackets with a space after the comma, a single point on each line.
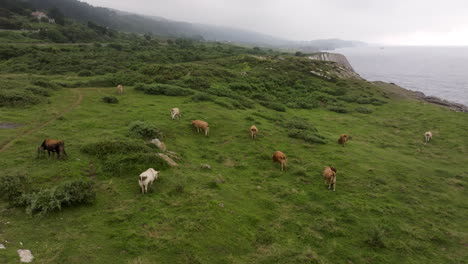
[77, 102]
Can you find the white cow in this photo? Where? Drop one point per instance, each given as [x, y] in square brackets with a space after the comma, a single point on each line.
[175, 112]
[146, 179]
[428, 136]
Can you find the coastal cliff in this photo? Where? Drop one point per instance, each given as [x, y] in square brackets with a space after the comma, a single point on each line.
[344, 68]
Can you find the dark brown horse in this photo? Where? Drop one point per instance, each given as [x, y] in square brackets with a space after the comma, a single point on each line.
[52, 145]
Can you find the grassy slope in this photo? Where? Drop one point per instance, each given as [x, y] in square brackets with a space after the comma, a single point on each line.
[389, 183]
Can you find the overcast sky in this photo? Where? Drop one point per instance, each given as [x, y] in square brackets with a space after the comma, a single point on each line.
[390, 22]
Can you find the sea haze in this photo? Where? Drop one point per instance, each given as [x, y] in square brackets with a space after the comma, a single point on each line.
[436, 71]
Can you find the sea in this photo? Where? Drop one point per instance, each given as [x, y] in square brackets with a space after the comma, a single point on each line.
[435, 71]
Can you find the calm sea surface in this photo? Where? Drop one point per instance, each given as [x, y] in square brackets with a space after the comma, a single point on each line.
[437, 71]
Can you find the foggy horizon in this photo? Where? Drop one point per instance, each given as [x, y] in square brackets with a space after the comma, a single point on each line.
[425, 23]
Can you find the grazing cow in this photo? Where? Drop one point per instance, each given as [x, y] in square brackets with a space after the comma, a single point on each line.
[253, 131]
[329, 174]
[52, 145]
[279, 157]
[147, 178]
[120, 89]
[175, 113]
[343, 139]
[428, 136]
[198, 124]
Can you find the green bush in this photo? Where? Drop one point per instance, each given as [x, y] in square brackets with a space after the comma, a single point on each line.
[163, 89]
[144, 130]
[38, 91]
[11, 97]
[363, 110]
[338, 109]
[238, 86]
[102, 149]
[131, 163]
[273, 105]
[66, 194]
[307, 136]
[85, 73]
[46, 84]
[12, 188]
[110, 100]
[202, 97]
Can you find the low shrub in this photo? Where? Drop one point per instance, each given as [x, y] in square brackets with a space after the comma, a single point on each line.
[46, 84]
[239, 86]
[11, 97]
[102, 149]
[144, 130]
[85, 73]
[273, 105]
[307, 136]
[202, 97]
[66, 194]
[363, 110]
[163, 89]
[372, 101]
[338, 109]
[12, 188]
[110, 100]
[39, 91]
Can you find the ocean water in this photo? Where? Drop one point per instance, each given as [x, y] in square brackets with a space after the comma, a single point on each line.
[436, 71]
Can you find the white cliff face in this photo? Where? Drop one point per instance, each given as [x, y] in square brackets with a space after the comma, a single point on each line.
[344, 70]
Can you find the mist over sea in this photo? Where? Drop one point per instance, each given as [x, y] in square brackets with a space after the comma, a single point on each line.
[436, 71]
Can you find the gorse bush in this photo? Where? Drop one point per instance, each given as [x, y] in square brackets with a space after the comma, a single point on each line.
[12, 188]
[11, 97]
[66, 194]
[202, 97]
[163, 89]
[273, 105]
[15, 190]
[144, 130]
[46, 84]
[110, 100]
[102, 149]
[363, 110]
[307, 136]
[301, 129]
[338, 109]
[85, 73]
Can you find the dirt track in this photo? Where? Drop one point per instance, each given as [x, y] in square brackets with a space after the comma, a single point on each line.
[5, 145]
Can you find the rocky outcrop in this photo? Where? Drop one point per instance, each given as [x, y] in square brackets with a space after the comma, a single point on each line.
[343, 68]
[168, 160]
[333, 57]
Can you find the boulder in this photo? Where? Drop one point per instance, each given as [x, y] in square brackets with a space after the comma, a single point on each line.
[168, 160]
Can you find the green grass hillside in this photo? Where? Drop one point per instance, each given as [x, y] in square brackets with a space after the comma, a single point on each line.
[397, 199]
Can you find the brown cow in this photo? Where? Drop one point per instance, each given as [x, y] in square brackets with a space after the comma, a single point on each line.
[198, 124]
[279, 157]
[329, 174]
[52, 145]
[253, 131]
[343, 139]
[120, 89]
